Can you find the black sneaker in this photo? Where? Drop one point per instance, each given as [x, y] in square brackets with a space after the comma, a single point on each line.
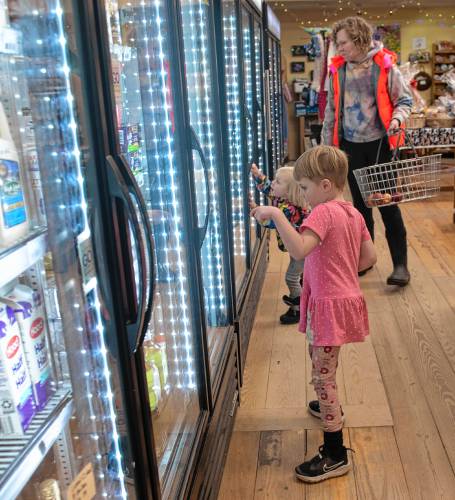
[315, 410]
[362, 273]
[289, 301]
[323, 467]
[290, 317]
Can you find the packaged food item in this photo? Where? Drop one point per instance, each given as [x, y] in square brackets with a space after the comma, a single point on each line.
[13, 213]
[17, 405]
[28, 309]
[49, 490]
[153, 377]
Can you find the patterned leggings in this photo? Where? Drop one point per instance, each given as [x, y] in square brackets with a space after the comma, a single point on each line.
[323, 378]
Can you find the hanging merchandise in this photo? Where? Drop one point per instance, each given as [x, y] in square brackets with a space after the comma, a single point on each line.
[318, 60]
[423, 81]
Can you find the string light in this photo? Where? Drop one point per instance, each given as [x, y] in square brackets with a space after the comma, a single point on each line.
[234, 132]
[201, 109]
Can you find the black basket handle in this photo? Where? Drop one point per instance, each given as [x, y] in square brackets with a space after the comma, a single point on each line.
[397, 149]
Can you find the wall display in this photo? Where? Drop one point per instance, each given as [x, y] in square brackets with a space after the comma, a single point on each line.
[297, 67]
[298, 50]
[390, 36]
[419, 43]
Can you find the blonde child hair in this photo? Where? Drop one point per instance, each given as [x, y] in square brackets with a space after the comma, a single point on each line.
[295, 195]
[323, 162]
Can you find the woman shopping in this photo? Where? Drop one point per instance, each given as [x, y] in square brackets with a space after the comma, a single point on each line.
[367, 105]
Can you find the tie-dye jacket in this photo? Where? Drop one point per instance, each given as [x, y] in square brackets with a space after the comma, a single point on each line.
[360, 117]
[293, 213]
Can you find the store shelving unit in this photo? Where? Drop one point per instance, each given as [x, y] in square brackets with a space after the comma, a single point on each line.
[20, 456]
[18, 258]
[446, 56]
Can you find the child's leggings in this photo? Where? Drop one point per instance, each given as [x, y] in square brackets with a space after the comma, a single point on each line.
[292, 277]
[323, 378]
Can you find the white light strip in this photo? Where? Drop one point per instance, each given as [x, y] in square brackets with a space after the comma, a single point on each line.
[100, 328]
[235, 142]
[162, 95]
[202, 120]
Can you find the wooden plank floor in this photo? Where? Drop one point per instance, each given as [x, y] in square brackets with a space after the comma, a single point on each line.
[397, 389]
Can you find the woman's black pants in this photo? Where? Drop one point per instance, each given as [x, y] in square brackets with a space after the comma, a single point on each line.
[363, 154]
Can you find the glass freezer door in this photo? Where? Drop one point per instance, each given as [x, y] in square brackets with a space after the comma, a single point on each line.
[58, 415]
[251, 137]
[201, 84]
[146, 127]
[236, 143]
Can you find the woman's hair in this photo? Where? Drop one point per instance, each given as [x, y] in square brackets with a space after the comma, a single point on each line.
[358, 30]
[323, 162]
[295, 195]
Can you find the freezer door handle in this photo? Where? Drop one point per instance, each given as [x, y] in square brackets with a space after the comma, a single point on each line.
[136, 281]
[257, 149]
[196, 146]
[147, 235]
[250, 124]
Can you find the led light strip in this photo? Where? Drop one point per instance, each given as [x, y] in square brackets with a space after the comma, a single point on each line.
[259, 78]
[272, 117]
[109, 396]
[249, 105]
[213, 272]
[175, 219]
[235, 144]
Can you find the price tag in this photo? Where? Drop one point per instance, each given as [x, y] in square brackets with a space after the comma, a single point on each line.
[86, 257]
[83, 487]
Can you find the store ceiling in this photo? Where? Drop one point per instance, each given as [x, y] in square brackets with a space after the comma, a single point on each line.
[366, 4]
[327, 11]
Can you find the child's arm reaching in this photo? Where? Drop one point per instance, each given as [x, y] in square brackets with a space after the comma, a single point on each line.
[263, 183]
[368, 256]
[298, 245]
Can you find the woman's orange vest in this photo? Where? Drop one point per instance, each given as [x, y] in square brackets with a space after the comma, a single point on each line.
[382, 62]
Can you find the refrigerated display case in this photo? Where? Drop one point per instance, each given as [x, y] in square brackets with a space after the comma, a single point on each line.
[60, 418]
[274, 98]
[237, 146]
[198, 53]
[164, 137]
[145, 124]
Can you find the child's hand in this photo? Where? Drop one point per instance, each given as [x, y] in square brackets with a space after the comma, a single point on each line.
[263, 213]
[255, 171]
[251, 203]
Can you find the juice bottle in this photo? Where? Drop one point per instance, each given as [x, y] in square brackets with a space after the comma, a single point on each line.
[13, 213]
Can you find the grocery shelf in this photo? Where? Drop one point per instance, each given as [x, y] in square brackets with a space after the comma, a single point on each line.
[18, 258]
[20, 456]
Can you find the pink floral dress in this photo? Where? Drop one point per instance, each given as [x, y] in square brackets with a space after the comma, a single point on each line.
[333, 309]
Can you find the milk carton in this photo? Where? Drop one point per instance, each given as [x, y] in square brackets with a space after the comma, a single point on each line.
[16, 399]
[27, 306]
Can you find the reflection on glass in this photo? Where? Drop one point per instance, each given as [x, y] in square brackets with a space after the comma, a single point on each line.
[196, 17]
[145, 114]
[234, 116]
[52, 267]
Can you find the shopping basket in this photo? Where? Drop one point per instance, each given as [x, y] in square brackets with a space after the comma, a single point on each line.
[399, 181]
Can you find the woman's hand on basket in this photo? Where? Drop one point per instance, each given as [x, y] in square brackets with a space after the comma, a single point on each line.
[394, 127]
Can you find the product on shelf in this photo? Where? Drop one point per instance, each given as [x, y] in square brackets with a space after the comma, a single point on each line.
[17, 406]
[153, 383]
[28, 308]
[49, 490]
[13, 214]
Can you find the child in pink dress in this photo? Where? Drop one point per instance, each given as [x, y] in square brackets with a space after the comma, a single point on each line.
[336, 245]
